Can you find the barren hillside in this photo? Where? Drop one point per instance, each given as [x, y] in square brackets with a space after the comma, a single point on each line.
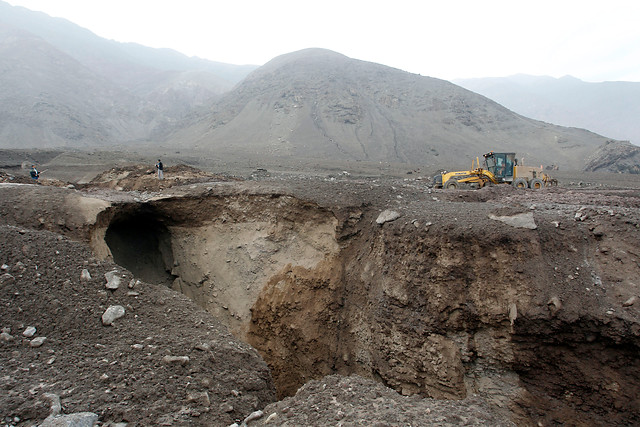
[320, 104]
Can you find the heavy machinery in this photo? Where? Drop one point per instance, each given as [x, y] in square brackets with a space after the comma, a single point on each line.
[498, 168]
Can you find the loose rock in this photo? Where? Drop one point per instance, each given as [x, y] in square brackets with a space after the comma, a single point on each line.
[181, 360]
[37, 342]
[5, 335]
[112, 313]
[113, 280]
[6, 278]
[387, 216]
[524, 220]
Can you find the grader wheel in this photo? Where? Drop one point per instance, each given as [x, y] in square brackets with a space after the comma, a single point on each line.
[452, 184]
[536, 184]
[520, 183]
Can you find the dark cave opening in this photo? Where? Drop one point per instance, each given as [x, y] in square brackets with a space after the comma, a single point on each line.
[141, 243]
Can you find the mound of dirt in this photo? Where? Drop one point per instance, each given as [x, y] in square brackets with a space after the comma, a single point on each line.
[355, 401]
[165, 362]
[23, 179]
[144, 178]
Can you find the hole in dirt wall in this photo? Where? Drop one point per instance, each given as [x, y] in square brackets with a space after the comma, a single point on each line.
[142, 244]
[249, 263]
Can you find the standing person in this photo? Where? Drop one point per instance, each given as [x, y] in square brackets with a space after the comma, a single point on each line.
[160, 169]
[34, 173]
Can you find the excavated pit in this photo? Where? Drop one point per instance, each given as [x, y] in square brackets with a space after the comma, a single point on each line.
[443, 311]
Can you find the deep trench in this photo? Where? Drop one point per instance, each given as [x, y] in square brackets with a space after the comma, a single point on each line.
[297, 317]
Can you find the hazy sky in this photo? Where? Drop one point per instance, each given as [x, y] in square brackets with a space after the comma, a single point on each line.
[591, 40]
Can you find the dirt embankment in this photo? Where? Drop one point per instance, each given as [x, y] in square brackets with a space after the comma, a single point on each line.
[526, 298]
[164, 362]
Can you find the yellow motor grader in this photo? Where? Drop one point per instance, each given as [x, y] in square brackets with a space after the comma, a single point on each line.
[498, 168]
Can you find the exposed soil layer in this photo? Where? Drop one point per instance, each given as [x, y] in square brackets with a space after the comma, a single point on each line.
[528, 298]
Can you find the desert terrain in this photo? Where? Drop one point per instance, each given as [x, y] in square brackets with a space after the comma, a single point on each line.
[275, 294]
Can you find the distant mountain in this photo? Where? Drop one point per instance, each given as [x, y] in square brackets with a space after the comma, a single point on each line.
[320, 104]
[64, 86]
[608, 108]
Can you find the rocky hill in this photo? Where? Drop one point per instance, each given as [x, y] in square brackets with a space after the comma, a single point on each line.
[608, 108]
[615, 156]
[65, 86]
[320, 104]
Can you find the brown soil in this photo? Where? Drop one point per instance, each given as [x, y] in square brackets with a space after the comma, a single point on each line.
[526, 298]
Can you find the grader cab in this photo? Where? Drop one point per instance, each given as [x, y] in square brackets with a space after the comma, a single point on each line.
[498, 168]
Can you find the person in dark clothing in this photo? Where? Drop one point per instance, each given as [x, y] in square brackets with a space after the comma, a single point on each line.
[160, 169]
[34, 173]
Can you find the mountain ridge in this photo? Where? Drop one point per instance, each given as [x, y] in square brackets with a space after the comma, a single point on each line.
[310, 104]
[316, 102]
[608, 108]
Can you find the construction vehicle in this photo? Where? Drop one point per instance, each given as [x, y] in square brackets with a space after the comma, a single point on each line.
[498, 168]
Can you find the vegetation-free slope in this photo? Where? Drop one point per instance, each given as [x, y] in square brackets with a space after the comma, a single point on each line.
[317, 103]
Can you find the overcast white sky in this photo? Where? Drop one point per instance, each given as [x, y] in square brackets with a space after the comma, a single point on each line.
[449, 39]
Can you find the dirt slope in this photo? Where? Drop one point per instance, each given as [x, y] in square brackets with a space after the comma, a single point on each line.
[133, 370]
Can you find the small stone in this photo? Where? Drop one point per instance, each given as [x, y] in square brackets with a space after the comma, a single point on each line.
[226, 407]
[181, 360]
[6, 336]
[85, 275]
[37, 342]
[4, 267]
[630, 301]
[18, 268]
[113, 280]
[523, 220]
[554, 305]
[387, 216]
[199, 398]
[598, 231]
[6, 278]
[271, 418]
[112, 313]
[137, 346]
[203, 346]
[29, 332]
[253, 416]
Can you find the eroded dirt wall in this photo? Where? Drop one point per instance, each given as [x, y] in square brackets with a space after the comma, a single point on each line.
[221, 251]
[451, 310]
